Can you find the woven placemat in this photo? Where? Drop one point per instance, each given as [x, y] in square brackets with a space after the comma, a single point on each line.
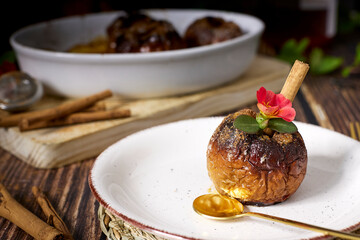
[117, 229]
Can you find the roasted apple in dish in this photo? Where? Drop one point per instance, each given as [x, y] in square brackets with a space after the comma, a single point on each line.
[210, 30]
[136, 32]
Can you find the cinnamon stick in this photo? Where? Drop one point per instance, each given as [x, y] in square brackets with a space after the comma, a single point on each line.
[99, 106]
[14, 119]
[294, 79]
[52, 216]
[23, 218]
[91, 105]
[76, 118]
[67, 108]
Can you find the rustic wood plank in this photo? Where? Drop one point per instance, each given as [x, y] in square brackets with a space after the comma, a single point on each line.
[339, 105]
[66, 188]
[319, 112]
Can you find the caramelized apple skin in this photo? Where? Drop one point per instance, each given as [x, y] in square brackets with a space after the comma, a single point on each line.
[255, 169]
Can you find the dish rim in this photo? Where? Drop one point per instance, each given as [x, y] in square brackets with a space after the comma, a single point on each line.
[178, 53]
[166, 234]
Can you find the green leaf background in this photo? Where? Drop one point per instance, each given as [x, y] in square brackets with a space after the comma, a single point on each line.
[318, 61]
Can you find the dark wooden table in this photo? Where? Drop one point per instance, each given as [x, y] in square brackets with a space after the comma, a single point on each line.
[330, 101]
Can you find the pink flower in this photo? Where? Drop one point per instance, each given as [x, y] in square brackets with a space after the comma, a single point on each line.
[273, 105]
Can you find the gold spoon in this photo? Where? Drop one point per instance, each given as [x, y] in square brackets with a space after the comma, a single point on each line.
[219, 207]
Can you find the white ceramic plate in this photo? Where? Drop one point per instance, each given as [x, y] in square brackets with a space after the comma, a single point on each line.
[151, 178]
[139, 75]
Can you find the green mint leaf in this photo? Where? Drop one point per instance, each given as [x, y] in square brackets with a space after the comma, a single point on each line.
[321, 64]
[316, 56]
[292, 50]
[282, 126]
[303, 44]
[346, 71]
[357, 55]
[328, 64]
[247, 124]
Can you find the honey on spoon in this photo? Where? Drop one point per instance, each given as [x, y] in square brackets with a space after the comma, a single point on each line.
[219, 207]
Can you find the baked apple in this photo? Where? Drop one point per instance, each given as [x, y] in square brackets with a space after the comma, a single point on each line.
[262, 167]
[136, 32]
[210, 30]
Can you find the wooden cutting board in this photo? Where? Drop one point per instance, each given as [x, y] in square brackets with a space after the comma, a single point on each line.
[59, 146]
